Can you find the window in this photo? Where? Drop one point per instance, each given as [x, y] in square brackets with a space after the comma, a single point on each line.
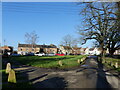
[21, 49]
[32, 49]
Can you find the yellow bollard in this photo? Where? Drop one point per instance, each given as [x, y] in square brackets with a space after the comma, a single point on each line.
[8, 68]
[116, 65]
[12, 76]
[78, 61]
[81, 60]
[60, 63]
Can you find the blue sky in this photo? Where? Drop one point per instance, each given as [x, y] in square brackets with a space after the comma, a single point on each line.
[51, 21]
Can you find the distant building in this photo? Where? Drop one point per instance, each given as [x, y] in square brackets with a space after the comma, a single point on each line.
[76, 50]
[79, 50]
[6, 50]
[94, 51]
[26, 48]
[117, 52]
[65, 50]
[82, 51]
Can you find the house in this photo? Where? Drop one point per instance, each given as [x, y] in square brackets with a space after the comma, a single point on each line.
[65, 50]
[79, 50]
[94, 51]
[6, 50]
[86, 51]
[117, 52]
[26, 48]
[82, 50]
[76, 50]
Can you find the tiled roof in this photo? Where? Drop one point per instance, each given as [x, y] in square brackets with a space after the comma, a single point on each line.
[5, 47]
[91, 49]
[39, 46]
[67, 47]
[76, 48]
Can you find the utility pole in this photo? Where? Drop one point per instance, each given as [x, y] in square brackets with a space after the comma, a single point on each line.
[3, 47]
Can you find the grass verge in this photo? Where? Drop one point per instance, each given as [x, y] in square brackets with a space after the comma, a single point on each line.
[110, 63]
[49, 61]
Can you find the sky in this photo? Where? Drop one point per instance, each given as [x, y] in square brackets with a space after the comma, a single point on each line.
[50, 20]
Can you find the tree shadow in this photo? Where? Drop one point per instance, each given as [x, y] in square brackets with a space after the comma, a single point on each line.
[56, 83]
[101, 78]
[101, 81]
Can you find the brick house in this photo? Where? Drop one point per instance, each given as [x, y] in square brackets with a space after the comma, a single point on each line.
[26, 48]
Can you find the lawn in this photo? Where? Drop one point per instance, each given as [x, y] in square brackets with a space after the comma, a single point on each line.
[49, 61]
[44, 62]
[110, 63]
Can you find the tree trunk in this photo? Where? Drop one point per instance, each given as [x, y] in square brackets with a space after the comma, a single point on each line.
[102, 54]
[111, 51]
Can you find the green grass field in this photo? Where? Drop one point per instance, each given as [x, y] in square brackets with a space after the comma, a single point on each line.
[44, 62]
[108, 60]
[49, 61]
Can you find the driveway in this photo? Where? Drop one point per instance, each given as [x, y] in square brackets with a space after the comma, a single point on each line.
[90, 75]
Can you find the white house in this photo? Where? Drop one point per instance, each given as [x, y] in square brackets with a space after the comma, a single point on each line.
[87, 51]
[117, 52]
[93, 51]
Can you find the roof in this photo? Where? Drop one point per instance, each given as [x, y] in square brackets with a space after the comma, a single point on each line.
[76, 48]
[38, 46]
[5, 47]
[67, 47]
[91, 49]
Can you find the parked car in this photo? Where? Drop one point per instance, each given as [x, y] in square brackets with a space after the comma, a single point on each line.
[50, 54]
[40, 54]
[30, 54]
[60, 54]
[15, 54]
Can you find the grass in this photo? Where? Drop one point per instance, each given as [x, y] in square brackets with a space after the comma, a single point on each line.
[44, 62]
[2, 71]
[19, 77]
[112, 60]
[49, 61]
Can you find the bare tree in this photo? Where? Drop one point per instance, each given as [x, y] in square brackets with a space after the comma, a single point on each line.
[97, 24]
[31, 38]
[69, 40]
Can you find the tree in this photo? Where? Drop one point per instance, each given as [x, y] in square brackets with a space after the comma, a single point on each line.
[97, 24]
[31, 38]
[68, 40]
[114, 35]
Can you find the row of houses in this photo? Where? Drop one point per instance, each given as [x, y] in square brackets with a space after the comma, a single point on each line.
[75, 50]
[23, 49]
[26, 48]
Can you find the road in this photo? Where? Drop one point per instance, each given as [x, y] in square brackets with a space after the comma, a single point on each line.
[90, 75]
